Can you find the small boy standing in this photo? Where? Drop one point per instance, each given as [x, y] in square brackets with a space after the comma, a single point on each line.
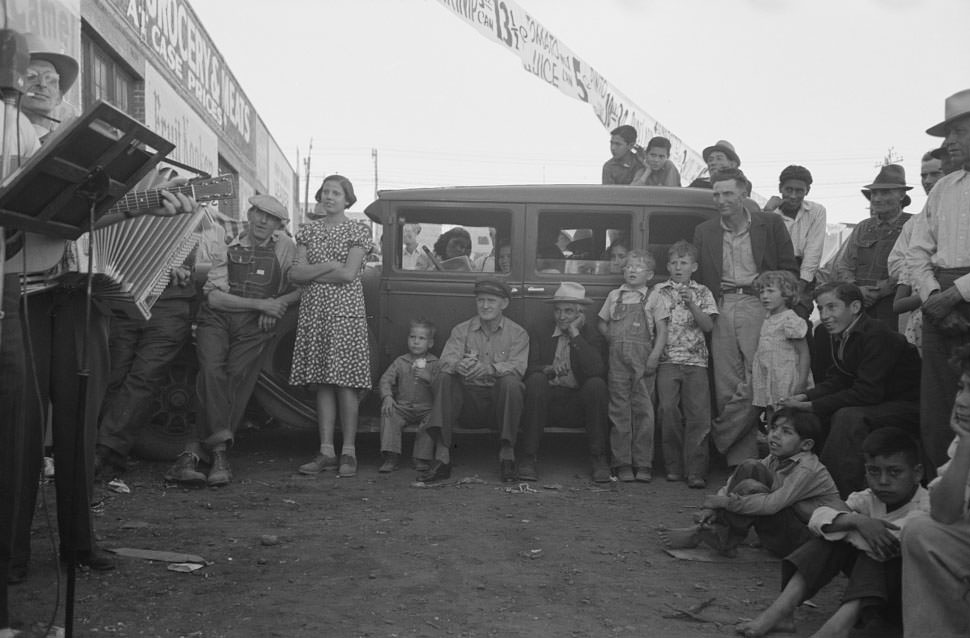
[682, 383]
[777, 494]
[406, 398]
[862, 543]
[635, 325]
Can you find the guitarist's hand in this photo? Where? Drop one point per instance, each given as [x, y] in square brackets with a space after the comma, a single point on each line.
[173, 203]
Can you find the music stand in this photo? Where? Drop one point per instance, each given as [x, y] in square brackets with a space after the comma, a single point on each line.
[104, 151]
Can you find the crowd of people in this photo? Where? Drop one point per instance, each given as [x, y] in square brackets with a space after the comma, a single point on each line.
[859, 413]
[853, 415]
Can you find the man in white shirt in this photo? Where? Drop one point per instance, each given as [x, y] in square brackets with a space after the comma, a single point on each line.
[939, 264]
[411, 252]
[805, 221]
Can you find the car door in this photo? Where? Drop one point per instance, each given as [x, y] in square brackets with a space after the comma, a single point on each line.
[592, 230]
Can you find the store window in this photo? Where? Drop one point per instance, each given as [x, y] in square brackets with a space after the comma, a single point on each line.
[105, 76]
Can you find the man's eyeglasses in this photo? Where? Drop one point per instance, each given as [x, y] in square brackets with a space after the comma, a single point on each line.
[47, 78]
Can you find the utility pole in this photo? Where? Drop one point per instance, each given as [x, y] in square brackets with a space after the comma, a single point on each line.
[891, 157]
[306, 181]
[373, 154]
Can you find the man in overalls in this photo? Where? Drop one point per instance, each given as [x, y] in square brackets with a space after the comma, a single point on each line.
[246, 293]
[864, 260]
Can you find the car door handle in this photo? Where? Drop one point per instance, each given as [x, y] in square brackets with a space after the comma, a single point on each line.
[535, 289]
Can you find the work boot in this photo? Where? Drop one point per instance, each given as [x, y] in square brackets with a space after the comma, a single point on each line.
[185, 471]
[220, 474]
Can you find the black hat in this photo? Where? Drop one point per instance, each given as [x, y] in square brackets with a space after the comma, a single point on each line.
[495, 287]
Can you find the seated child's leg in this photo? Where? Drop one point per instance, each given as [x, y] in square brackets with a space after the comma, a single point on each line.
[877, 586]
[783, 532]
[423, 444]
[391, 426]
[747, 470]
[804, 572]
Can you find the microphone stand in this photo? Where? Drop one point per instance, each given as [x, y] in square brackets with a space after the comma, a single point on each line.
[93, 189]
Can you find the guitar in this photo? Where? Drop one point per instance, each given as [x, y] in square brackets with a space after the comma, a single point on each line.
[43, 254]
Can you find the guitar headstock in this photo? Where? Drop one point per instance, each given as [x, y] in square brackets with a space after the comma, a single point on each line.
[206, 189]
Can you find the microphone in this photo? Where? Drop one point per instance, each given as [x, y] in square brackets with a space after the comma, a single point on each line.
[14, 59]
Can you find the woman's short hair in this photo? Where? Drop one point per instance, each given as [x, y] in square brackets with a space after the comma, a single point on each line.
[345, 185]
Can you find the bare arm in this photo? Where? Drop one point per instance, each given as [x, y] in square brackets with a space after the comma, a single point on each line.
[303, 272]
[346, 272]
[804, 362]
[658, 347]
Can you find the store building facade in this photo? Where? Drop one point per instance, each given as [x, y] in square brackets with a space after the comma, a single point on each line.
[154, 60]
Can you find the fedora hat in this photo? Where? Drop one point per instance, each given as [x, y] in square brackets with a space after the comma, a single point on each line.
[725, 147]
[570, 292]
[891, 176]
[65, 65]
[956, 106]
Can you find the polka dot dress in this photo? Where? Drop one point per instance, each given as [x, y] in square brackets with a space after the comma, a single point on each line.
[331, 337]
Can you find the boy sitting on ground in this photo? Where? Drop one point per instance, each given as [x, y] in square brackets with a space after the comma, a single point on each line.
[406, 398]
[777, 494]
[862, 543]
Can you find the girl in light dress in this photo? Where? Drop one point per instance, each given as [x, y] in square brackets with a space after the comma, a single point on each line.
[781, 363]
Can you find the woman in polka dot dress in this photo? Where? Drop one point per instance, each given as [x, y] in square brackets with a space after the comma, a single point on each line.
[331, 351]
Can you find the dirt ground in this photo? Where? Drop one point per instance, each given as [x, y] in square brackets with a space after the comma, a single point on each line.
[377, 556]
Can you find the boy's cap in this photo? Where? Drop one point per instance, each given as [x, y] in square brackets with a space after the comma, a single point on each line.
[270, 205]
[495, 287]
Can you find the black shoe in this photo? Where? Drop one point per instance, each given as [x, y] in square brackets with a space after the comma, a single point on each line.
[438, 471]
[17, 574]
[95, 560]
[507, 471]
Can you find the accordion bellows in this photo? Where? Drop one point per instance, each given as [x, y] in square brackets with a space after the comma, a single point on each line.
[132, 260]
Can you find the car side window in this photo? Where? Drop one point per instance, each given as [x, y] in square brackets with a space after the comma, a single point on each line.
[453, 241]
[584, 243]
[666, 229]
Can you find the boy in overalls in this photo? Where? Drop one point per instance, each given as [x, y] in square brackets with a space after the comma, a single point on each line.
[635, 324]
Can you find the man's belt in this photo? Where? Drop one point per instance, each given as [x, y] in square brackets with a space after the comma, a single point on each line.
[739, 290]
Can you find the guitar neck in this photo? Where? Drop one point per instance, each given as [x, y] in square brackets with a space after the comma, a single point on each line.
[148, 199]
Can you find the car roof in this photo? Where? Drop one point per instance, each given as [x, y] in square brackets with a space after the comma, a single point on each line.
[549, 194]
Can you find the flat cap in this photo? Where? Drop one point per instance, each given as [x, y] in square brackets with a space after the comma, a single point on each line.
[495, 287]
[270, 205]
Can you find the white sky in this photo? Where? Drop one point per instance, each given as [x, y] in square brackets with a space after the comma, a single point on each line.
[829, 84]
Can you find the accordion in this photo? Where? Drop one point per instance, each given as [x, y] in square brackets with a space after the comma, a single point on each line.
[132, 260]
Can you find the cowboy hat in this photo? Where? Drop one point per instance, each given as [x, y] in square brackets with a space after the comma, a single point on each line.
[65, 65]
[725, 147]
[956, 106]
[890, 177]
[570, 292]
